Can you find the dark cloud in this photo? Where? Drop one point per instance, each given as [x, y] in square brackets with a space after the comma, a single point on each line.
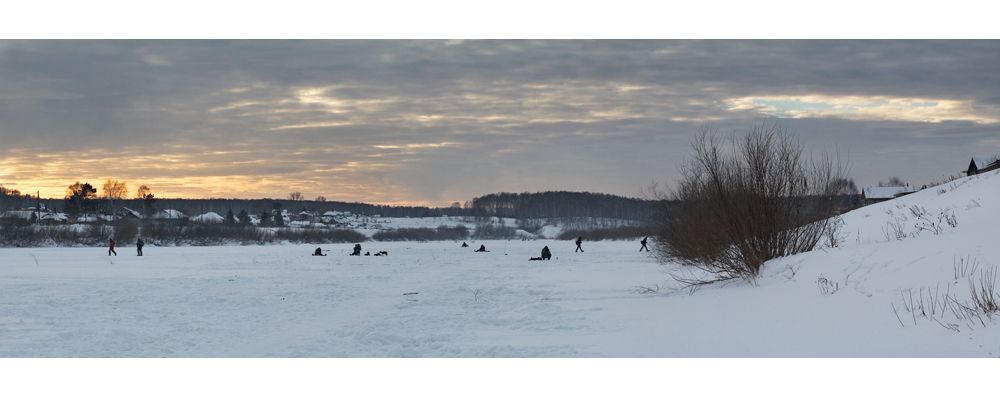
[434, 121]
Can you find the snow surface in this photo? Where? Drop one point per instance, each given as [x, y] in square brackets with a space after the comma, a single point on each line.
[278, 301]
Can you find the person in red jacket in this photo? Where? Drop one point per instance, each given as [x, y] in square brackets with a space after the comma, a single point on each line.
[112, 248]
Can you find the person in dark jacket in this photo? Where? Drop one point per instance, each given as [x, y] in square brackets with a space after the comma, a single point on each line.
[112, 248]
[579, 240]
[318, 252]
[644, 244]
[465, 244]
[482, 248]
[138, 245]
[357, 250]
[546, 254]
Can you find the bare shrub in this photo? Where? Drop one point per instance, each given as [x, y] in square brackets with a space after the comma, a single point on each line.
[494, 232]
[320, 235]
[744, 200]
[983, 292]
[442, 232]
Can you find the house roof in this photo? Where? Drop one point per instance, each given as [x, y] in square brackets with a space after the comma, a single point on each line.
[982, 162]
[887, 192]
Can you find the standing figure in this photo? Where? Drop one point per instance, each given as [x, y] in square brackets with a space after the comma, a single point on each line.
[112, 248]
[644, 244]
[578, 241]
[138, 245]
[546, 254]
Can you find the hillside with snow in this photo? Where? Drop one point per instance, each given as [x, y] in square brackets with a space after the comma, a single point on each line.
[894, 285]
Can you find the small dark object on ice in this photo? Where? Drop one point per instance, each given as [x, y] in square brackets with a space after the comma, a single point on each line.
[368, 253]
[465, 244]
[319, 252]
[482, 248]
[382, 253]
[407, 294]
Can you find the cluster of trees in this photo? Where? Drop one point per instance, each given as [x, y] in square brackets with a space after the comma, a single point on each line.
[82, 199]
[11, 199]
[560, 204]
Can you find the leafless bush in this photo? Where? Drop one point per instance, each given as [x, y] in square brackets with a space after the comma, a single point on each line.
[442, 232]
[652, 288]
[983, 292]
[964, 266]
[894, 230]
[744, 200]
[826, 286]
[494, 232]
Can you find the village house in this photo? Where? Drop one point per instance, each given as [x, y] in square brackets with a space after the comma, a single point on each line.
[872, 195]
[979, 165]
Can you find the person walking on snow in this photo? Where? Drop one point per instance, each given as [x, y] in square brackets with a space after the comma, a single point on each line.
[644, 244]
[138, 245]
[112, 248]
[578, 241]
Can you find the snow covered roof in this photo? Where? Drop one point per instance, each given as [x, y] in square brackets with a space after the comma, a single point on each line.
[209, 217]
[27, 214]
[169, 214]
[982, 162]
[887, 192]
[131, 211]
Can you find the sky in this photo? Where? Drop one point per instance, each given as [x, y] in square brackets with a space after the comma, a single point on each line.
[432, 122]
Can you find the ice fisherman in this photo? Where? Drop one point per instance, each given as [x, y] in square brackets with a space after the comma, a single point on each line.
[357, 250]
[138, 245]
[546, 254]
[579, 240]
[482, 248]
[111, 249]
[319, 252]
[465, 244]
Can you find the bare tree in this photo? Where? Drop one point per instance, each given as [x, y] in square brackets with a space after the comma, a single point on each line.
[893, 182]
[296, 196]
[743, 200]
[321, 199]
[113, 193]
[142, 194]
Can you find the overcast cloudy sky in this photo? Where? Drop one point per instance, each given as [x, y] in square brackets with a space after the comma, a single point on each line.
[432, 122]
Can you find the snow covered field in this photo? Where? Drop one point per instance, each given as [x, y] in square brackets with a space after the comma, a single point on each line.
[440, 300]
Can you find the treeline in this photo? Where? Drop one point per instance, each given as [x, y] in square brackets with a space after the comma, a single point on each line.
[125, 232]
[193, 207]
[507, 205]
[12, 199]
[560, 205]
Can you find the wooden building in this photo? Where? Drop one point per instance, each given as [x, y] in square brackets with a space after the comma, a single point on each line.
[872, 195]
[979, 165]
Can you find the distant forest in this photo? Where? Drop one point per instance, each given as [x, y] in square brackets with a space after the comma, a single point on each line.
[559, 204]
